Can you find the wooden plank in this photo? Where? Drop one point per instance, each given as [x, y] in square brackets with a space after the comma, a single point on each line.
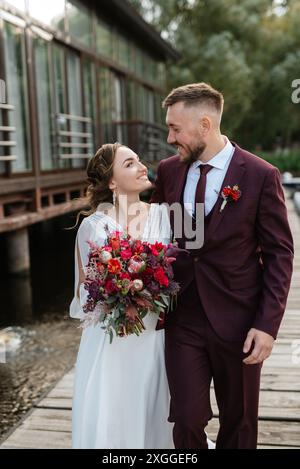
[279, 433]
[273, 404]
[55, 403]
[278, 382]
[54, 420]
[43, 429]
[37, 439]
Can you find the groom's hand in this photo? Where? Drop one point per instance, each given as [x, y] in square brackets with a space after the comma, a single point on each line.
[263, 344]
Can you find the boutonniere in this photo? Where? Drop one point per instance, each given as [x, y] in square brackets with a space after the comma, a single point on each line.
[230, 194]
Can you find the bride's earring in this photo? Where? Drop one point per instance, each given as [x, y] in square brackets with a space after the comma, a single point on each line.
[114, 197]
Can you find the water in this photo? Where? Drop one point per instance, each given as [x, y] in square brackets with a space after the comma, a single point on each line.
[38, 340]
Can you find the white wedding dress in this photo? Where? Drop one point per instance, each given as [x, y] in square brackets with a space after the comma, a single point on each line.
[121, 395]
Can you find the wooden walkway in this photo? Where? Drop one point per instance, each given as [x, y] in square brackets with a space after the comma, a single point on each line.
[48, 424]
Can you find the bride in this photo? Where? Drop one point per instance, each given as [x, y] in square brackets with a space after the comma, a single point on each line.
[121, 395]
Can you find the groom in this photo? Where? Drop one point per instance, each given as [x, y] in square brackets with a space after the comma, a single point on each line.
[234, 287]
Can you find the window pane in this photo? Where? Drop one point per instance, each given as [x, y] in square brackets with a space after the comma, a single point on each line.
[80, 22]
[141, 103]
[124, 52]
[104, 39]
[44, 104]
[159, 111]
[150, 106]
[16, 81]
[53, 15]
[139, 62]
[162, 74]
[152, 70]
[89, 99]
[131, 53]
[60, 100]
[115, 44]
[58, 58]
[75, 109]
[131, 100]
[106, 104]
[118, 108]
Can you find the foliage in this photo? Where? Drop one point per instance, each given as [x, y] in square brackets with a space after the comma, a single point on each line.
[249, 50]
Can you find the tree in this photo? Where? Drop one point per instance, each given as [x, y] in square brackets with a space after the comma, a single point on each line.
[249, 50]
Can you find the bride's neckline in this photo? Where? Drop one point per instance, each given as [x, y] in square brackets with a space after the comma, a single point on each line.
[122, 228]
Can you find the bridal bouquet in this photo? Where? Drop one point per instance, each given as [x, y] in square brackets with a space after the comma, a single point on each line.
[125, 280]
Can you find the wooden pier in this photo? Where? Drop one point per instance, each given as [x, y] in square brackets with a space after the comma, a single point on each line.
[48, 424]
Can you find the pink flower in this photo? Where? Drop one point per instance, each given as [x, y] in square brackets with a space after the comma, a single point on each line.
[137, 284]
[134, 266]
[126, 254]
[124, 244]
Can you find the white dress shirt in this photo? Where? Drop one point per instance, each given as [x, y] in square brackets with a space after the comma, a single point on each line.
[214, 178]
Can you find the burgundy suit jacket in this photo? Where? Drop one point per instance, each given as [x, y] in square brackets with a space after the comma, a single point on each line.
[243, 270]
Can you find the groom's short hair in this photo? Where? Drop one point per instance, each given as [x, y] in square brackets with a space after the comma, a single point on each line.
[194, 94]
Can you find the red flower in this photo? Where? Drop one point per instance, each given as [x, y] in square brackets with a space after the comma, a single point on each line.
[138, 247]
[110, 287]
[124, 275]
[124, 244]
[115, 243]
[114, 266]
[156, 248]
[100, 267]
[126, 254]
[230, 194]
[147, 274]
[161, 277]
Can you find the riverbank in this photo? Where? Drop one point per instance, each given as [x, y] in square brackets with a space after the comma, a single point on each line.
[46, 352]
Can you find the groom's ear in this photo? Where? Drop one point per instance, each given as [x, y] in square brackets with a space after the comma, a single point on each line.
[205, 124]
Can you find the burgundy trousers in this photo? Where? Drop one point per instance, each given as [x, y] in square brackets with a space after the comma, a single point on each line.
[195, 356]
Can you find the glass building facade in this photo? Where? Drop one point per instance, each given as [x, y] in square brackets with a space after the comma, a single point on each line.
[74, 79]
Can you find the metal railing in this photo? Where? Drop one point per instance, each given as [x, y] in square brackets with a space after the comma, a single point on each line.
[7, 129]
[147, 139]
[65, 138]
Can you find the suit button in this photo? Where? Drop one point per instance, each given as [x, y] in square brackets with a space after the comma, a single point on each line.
[196, 259]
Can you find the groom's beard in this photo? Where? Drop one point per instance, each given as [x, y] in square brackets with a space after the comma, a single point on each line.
[193, 154]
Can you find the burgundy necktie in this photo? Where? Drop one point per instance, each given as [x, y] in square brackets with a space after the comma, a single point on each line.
[200, 189]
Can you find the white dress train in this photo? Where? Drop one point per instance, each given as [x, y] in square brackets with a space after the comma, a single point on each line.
[121, 395]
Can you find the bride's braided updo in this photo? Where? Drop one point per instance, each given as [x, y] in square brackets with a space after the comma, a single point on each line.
[99, 173]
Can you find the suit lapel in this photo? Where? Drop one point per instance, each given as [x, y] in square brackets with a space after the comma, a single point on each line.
[181, 174]
[233, 177]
